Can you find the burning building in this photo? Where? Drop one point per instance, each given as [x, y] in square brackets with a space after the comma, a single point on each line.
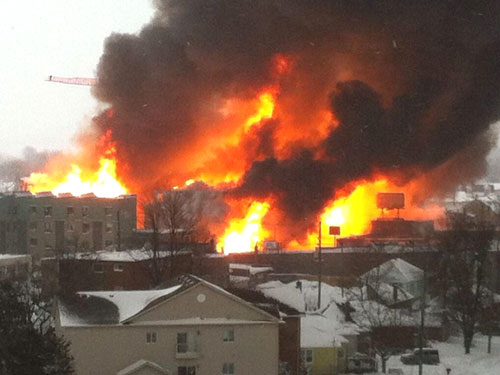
[299, 111]
[47, 225]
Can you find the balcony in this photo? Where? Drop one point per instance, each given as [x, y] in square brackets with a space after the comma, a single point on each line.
[187, 351]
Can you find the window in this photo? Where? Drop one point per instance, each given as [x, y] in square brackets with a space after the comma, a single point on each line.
[109, 227]
[33, 242]
[85, 227]
[33, 225]
[228, 335]
[48, 227]
[307, 356]
[70, 210]
[98, 268]
[108, 211]
[118, 267]
[186, 343]
[150, 336]
[108, 243]
[12, 210]
[47, 211]
[85, 211]
[33, 210]
[186, 370]
[48, 248]
[182, 342]
[340, 353]
[70, 227]
[228, 369]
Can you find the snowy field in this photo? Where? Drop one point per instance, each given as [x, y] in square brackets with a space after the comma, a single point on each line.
[452, 356]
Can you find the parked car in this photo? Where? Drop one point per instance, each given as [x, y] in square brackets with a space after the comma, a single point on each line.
[430, 356]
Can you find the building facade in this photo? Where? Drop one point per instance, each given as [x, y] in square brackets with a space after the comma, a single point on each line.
[47, 225]
[194, 328]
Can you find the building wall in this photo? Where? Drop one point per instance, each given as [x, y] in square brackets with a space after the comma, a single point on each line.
[289, 343]
[107, 350]
[15, 267]
[253, 351]
[47, 225]
[328, 360]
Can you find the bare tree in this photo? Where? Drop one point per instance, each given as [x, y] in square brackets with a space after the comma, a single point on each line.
[174, 221]
[371, 314]
[465, 247]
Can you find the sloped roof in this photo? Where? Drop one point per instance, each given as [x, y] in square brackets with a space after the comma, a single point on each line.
[134, 367]
[395, 271]
[302, 295]
[120, 307]
[108, 307]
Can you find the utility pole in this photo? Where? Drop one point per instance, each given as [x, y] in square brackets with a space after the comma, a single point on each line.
[319, 268]
[422, 325]
[118, 234]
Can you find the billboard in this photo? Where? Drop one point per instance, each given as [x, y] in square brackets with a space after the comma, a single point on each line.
[390, 200]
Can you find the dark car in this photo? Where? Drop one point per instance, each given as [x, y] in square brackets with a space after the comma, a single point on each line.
[430, 356]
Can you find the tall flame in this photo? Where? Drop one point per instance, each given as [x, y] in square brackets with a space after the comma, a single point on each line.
[102, 182]
[243, 234]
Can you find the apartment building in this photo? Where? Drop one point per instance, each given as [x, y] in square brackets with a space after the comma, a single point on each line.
[46, 225]
[192, 328]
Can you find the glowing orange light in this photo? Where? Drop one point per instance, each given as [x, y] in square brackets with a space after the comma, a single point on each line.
[102, 182]
[265, 110]
[242, 235]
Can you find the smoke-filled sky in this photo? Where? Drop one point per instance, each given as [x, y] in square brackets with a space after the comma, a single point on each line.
[54, 37]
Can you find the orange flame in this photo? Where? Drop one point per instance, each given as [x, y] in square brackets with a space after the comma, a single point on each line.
[102, 182]
[264, 111]
[242, 235]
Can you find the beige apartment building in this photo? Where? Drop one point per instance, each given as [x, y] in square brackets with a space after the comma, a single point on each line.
[194, 328]
[46, 225]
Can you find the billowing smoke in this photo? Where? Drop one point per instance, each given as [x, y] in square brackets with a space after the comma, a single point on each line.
[12, 169]
[410, 86]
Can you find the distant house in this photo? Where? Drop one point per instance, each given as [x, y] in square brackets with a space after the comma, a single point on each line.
[191, 328]
[289, 332]
[15, 267]
[395, 283]
[110, 270]
[327, 338]
[326, 341]
[247, 275]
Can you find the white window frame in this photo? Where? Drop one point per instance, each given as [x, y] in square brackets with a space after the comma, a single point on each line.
[118, 267]
[228, 368]
[151, 337]
[305, 356]
[190, 370]
[228, 335]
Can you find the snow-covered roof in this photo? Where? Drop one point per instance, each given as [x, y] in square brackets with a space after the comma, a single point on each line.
[129, 303]
[395, 271]
[325, 330]
[135, 255]
[121, 305]
[252, 270]
[304, 297]
[133, 368]
[14, 257]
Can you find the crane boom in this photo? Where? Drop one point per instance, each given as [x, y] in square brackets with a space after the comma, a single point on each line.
[82, 81]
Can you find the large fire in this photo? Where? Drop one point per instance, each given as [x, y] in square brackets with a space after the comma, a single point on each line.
[351, 208]
[80, 180]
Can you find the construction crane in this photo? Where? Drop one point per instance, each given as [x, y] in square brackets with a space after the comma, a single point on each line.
[82, 81]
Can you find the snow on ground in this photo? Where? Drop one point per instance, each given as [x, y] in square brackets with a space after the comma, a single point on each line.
[452, 356]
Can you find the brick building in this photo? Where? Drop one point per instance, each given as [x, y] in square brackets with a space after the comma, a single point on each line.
[47, 225]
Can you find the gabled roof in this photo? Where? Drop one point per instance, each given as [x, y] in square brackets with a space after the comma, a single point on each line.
[395, 271]
[120, 307]
[135, 367]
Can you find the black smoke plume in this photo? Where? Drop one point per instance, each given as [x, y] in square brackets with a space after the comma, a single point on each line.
[411, 85]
